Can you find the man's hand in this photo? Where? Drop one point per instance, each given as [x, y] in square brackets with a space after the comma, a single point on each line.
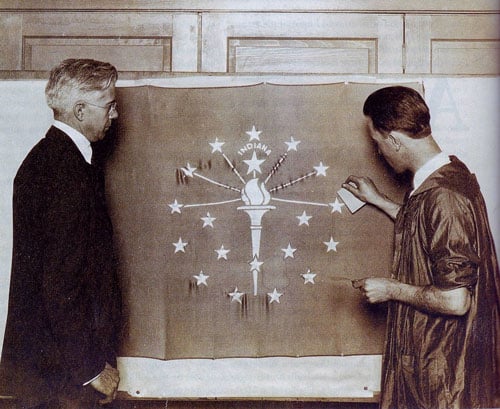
[364, 189]
[377, 289]
[107, 383]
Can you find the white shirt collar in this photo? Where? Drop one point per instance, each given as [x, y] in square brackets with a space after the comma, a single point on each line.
[81, 142]
[428, 168]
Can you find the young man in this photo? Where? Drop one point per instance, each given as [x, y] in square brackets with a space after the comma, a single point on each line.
[64, 304]
[444, 293]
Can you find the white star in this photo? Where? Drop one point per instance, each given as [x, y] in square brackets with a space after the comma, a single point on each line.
[274, 296]
[253, 134]
[216, 146]
[336, 206]
[188, 170]
[176, 207]
[179, 246]
[236, 295]
[222, 253]
[331, 245]
[308, 277]
[289, 251]
[304, 218]
[321, 169]
[201, 279]
[292, 145]
[255, 264]
[208, 220]
[254, 163]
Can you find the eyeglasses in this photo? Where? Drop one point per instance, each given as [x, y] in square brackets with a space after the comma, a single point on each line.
[111, 106]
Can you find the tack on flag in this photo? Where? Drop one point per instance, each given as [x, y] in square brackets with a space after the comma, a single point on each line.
[232, 238]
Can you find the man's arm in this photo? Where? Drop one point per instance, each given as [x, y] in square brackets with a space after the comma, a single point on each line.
[428, 298]
[364, 189]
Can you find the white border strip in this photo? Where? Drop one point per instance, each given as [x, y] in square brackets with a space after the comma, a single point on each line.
[223, 81]
[230, 378]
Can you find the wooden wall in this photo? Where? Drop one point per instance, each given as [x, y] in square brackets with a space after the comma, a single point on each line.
[161, 38]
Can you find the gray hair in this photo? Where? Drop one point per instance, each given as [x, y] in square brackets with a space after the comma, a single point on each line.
[73, 78]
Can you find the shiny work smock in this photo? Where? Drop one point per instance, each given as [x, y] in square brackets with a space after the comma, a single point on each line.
[443, 239]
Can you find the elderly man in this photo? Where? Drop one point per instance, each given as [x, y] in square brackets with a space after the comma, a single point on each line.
[64, 305]
[444, 294]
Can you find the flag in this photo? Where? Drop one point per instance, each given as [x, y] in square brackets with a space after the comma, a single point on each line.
[232, 238]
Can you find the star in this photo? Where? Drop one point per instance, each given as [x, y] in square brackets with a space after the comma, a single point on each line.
[253, 134]
[321, 169]
[222, 253]
[216, 146]
[208, 220]
[308, 277]
[176, 207]
[275, 296]
[336, 206]
[201, 279]
[236, 295]
[254, 163]
[188, 170]
[304, 218]
[289, 251]
[255, 264]
[292, 145]
[179, 246]
[331, 245]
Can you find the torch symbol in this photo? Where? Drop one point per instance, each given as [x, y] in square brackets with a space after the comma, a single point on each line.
[256, 199]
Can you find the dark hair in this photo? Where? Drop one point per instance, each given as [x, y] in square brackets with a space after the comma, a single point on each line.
[398, 108]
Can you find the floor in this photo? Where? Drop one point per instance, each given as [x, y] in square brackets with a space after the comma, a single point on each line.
[213, 404]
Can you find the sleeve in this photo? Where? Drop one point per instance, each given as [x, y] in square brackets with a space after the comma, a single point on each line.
[452, 240]
[65, 285]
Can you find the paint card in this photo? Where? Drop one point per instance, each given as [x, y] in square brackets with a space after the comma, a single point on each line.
[351, 201]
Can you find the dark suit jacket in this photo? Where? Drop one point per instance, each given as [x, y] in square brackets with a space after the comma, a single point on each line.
[64, 303]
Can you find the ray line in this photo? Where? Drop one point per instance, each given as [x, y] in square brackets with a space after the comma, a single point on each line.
[217, 183]
[233, 168]
[292, 182]
[275, 167]
[300, 202]
[211, 204]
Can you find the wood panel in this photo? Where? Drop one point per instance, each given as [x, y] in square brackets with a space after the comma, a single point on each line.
[10, 46]
[132, 41]
[304, 55]
[302, 43]
[465, 57]
[129, 54]
[453, 44]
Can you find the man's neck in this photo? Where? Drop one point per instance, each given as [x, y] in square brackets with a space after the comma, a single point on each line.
[423, 150]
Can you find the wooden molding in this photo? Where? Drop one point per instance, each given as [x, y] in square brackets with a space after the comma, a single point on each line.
[395, 6]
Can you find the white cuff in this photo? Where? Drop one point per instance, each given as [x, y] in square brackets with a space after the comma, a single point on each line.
[92, 380]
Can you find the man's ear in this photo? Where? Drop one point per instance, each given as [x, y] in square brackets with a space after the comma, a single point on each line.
[395, 141]
[79, 111]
